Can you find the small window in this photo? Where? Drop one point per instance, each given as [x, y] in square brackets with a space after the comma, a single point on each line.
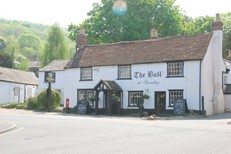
[28, 92]
[86, 73]
[134, 97]
[175, 69]
[174, 95]
[85, 94]
[124, 72]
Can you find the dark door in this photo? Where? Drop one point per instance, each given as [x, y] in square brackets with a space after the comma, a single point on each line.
[160, 102]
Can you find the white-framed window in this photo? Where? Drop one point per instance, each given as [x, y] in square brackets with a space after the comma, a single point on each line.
[124, 72]
[134, 98]
[86, 73]
[85, 94]
[28, 92]
[174, 95]
[175, 69]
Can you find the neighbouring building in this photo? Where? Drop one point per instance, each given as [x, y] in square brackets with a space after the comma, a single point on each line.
[16, 86]
[56, 66]
[227, 83]
[119, 74]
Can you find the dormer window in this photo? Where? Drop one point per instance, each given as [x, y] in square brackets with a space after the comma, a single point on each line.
[124, 72]
[175, 69]
[86, 73]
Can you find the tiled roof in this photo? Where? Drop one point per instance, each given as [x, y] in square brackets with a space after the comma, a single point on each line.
[141, 52]
[56, 65]
[111, 85]
[16, 76]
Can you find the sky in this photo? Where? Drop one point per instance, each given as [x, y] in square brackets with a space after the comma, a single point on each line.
[65, 12]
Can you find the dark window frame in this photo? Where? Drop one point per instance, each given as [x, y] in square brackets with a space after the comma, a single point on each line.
[129, 101]
[170, 104]
[168, 69]
[85, 98]
[81, 74]
[124, 78]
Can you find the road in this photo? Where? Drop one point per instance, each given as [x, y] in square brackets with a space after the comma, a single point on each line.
[53, 133]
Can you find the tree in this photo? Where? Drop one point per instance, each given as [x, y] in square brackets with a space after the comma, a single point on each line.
[2, 45]
[197, 25]
[29, 45]
[23, 65]
[103, 26]
[6, 60]
[55, 47]
[226, 18]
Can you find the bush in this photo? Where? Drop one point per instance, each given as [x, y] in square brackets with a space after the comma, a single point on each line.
[14, 105]
[42, 100]
[11, 105]
[22, 106]
[32, 103]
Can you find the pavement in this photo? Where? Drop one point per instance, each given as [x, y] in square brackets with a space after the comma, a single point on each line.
[6, 126]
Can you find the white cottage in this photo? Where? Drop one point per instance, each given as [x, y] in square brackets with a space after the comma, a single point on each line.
[56, 66]
[16, 86]
[164, 69]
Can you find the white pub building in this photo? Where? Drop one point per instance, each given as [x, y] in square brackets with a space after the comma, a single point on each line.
[162, 69]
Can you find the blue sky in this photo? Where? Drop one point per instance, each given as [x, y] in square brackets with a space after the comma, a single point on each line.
[65, 12]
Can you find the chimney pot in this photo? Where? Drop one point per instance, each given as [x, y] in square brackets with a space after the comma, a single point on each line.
[218, 24]
[154, 33]
[218, 17]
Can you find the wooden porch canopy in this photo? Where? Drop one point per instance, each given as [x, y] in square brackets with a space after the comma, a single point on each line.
[107, 87]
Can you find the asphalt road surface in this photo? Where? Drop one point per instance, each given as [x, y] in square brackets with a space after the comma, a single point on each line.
[53, 133]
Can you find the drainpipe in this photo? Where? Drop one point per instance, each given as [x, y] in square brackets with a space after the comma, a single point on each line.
[200, 99]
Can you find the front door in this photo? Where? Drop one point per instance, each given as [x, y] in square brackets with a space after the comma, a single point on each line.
[160, 102]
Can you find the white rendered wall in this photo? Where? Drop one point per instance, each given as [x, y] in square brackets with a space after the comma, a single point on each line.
[60, 83]
[8, 95]
[189, 83]
[227, 98]
[212, 68]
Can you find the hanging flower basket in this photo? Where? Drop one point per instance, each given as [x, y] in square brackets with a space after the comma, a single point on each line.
[92, 99]
[145, 96]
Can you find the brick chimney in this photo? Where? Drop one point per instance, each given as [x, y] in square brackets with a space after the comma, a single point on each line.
[154, 33]
[81, 39]
[218, 24]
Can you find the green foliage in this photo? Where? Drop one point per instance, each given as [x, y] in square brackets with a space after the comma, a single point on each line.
[142, 16]
[27, 39]
[32, 103]
[145, 96]
[42, 100]
[14, 105]
[23, 65]
[198, 25]
[2, 45]
[55, 47]
[6, 60]
[226, 19]
[29, 45]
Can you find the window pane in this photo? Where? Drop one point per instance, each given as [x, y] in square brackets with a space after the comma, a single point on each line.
[81, 95]
[86, 73]
[124, 72]
[134, 98]
[174, 95]
[175, 69]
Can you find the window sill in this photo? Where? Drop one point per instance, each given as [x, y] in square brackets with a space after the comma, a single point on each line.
[86, 80]
[174, 77]
[124, 79]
